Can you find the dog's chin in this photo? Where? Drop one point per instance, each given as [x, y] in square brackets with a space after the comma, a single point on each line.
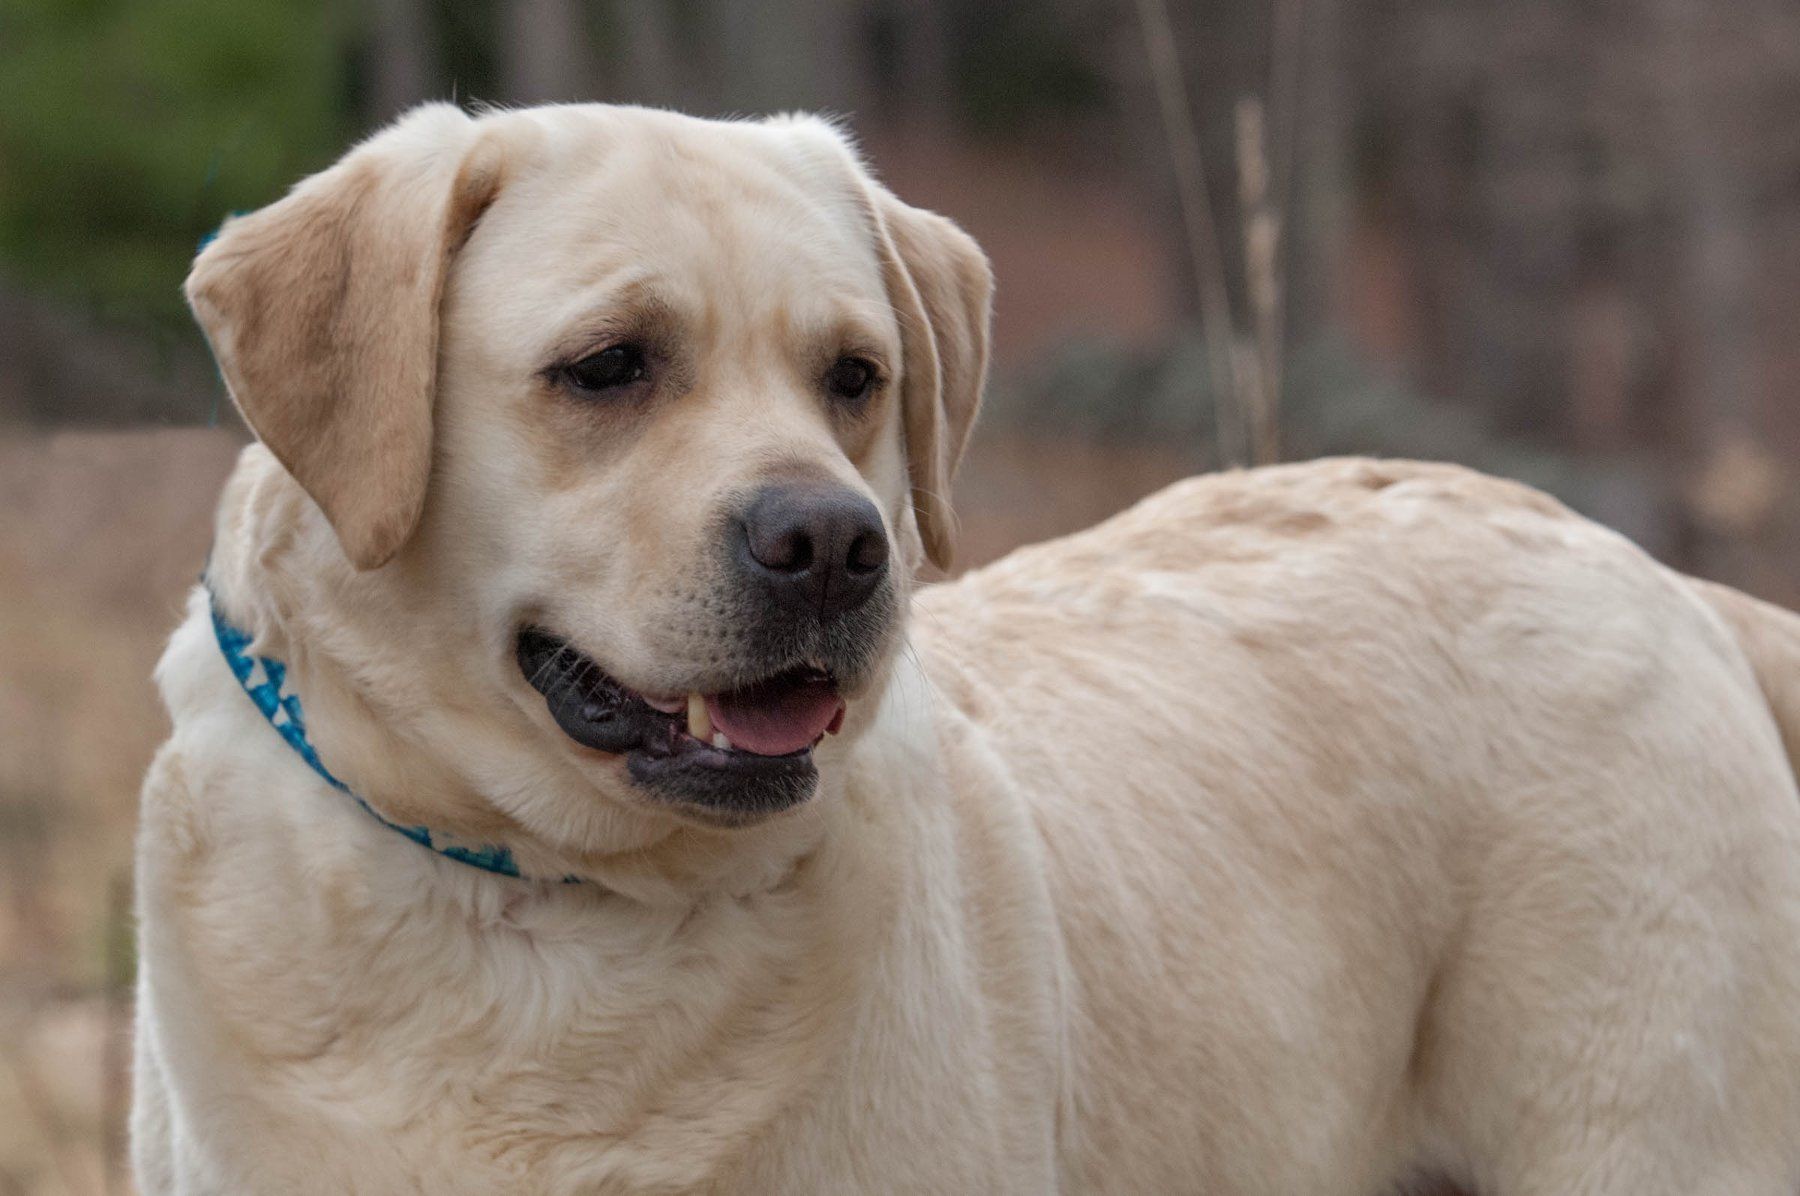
[724, 789]
[730, 758]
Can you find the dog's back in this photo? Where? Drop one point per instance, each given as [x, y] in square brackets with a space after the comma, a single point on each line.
[1390, 808]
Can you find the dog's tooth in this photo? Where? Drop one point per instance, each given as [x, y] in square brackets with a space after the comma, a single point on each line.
[719, 741]
[699, 722]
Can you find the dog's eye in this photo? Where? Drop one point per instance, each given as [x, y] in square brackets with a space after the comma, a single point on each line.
[608, 369]
[849, 379]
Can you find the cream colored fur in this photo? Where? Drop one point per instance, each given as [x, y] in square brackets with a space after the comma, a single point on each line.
[1298, 831]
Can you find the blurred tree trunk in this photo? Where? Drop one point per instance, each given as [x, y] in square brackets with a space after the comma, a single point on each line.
[787, 54]
[1733, 482]
[401, 63]
[545, 52]
[650, 58]
[1481, 107]
[912, 77]
[1541, 151]
[1713, 238]
[1320, 182]
[1594, 199]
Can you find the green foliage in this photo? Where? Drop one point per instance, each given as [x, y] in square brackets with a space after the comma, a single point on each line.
[130, 128]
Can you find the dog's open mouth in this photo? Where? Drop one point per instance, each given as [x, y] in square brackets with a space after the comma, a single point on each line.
[742, 751]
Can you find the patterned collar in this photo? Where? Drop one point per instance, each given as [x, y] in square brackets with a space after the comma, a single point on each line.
[265, 679]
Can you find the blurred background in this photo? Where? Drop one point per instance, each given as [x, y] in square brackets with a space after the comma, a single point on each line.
[1554, 239]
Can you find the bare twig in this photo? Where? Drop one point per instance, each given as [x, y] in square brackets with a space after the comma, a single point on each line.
[1224, 362]
[1261, 226]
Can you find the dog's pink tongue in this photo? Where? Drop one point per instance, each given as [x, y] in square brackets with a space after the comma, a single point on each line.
[775, 719]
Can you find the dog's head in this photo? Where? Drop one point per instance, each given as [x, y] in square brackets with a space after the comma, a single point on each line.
[627, 430]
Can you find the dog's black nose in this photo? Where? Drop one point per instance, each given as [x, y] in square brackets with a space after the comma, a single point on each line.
[814, 547]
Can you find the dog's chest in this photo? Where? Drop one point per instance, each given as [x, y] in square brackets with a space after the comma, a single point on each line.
[334, 1010]
[556, 1046]
[733, 1048]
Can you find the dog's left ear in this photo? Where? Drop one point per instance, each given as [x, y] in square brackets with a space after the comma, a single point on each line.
[942, 290]
[322, 310]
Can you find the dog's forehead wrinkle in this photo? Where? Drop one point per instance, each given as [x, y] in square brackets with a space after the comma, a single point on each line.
[642, 308]
[718, 304]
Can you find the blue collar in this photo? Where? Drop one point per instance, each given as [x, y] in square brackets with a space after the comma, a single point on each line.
[265, 679]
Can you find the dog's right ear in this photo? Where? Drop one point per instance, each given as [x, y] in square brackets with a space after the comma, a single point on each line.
[322, 310]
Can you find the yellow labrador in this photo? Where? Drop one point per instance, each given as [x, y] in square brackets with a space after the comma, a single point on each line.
[569, 793]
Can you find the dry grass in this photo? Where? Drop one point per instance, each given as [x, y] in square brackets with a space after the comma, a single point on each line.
[99, 536]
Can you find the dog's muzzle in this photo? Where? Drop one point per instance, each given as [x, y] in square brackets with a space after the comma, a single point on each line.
[808, 612]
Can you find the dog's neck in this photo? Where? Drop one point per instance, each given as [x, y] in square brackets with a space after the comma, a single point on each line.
[265, 683]
[418, 765]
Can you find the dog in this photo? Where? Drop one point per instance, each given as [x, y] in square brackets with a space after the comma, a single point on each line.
[572, 789]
